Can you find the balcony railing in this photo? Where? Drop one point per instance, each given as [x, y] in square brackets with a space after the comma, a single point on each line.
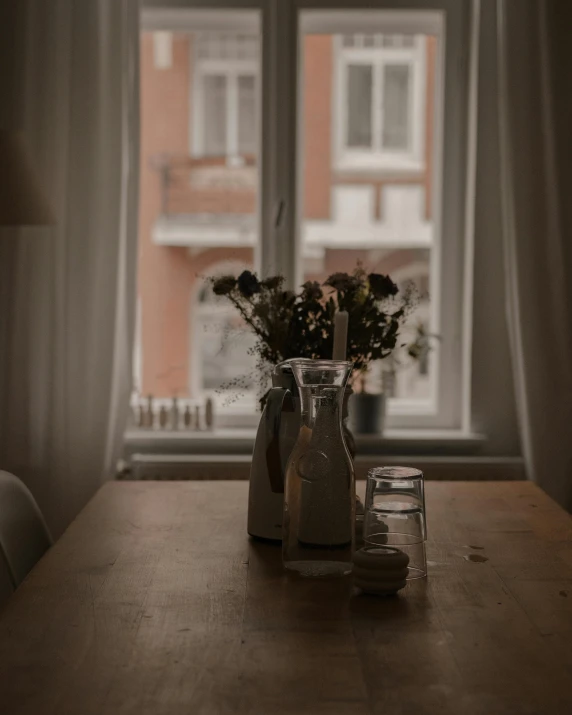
[207, 188]
[210, 202]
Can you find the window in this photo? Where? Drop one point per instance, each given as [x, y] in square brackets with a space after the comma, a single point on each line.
[359, 133]
[224, 96]
[163, 50]
[302, 152]
[222, 364]
[199, 208]
[396, 122]
[381, 87]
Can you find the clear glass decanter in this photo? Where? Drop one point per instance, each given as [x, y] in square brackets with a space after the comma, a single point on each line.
[319, 492]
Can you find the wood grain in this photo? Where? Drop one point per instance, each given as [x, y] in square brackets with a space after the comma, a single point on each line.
[155, 601]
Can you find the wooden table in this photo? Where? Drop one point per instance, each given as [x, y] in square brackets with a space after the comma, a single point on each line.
[155, 601]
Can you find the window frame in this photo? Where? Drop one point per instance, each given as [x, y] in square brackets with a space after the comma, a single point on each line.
[379, 158]
[453, 170]
[281, 187]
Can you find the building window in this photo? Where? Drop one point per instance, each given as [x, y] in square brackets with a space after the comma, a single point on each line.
[224, 96]
[163, 50]
[381, 97]
[223, 365]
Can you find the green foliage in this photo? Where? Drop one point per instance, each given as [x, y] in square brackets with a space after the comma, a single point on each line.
[289, 325]
[421, 344]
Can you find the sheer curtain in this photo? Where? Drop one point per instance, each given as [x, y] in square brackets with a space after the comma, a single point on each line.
[535, 66]
[68, 300]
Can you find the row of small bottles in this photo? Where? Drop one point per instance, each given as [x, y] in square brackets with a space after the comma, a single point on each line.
[173, 416]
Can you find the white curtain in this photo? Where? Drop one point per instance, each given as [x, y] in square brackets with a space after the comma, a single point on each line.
[67, 303]
[535, 54]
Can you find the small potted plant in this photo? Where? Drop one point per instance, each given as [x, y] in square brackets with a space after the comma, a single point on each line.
[367, 407]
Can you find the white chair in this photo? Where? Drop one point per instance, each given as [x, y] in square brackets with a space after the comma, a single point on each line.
[24, 536]
[6, 587]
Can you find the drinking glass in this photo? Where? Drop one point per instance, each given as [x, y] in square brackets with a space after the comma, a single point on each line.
[395, 514]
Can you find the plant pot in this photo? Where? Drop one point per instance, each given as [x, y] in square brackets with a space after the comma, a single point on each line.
[367, 413]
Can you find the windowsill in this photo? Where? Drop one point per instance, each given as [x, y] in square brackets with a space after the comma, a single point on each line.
[240, 441]
[373, 165]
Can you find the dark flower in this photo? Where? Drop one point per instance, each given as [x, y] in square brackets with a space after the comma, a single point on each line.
[343, 282]
[381, 286]
[287, 324]
[248, 284]
[224, 285]
[273, 282]
[311, 291]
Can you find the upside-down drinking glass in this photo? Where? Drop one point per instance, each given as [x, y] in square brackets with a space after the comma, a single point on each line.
[395, 514]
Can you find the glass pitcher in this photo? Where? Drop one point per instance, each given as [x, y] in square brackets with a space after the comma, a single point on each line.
[319, 490]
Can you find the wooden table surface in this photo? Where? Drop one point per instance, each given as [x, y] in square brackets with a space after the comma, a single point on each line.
[155, 601]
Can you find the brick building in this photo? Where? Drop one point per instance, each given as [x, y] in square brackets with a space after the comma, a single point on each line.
[366, 133]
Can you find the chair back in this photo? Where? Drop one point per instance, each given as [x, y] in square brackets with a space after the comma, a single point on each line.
[24, 536]
[6, 587]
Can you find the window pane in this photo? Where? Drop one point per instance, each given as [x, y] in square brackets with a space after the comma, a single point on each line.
[248, 47]
[359, 102]
[215, 114]
[400, 41]
[396, 109]
[378, 215]
[224, 343]
[198, 218]
[246, 115]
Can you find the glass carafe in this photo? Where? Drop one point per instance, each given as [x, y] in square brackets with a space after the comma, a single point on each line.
[319, 490]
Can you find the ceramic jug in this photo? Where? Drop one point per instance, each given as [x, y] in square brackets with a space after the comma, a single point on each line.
[275, 439]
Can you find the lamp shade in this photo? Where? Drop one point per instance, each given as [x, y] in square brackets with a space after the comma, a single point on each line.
[22, 201]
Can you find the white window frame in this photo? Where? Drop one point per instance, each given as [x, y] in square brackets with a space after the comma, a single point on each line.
[281, 187]
[376, 158]
[231, 69]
